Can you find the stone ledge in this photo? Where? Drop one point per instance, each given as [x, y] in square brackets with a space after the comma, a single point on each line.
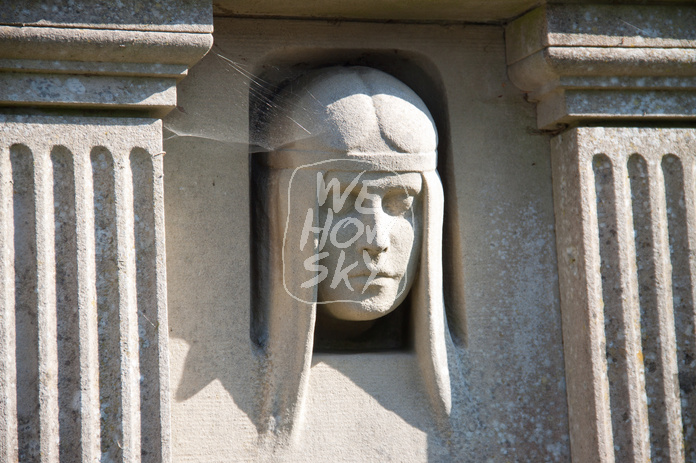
[67, 44]
[96, 69]
[169, 15]
[377, 10]
[176, 71]
[568, 106]
[605, 62]
[551, 64]
[155, 95]
[578, 25]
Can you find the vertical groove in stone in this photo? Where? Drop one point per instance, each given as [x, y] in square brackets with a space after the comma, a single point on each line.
[26, 303]
[689, 170]
[613, 294]
[107, 284]
[128, 312]
[637, 422]
[164, 394]
[682, 297]
[645, 267]
[148, 322]
[608, 252]
[657, 332]
[68, 334]
[8, 368]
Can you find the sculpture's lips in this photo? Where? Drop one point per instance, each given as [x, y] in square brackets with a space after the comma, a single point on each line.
[367, 273]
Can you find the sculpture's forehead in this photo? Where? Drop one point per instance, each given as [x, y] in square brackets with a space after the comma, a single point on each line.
[353, 110]
[378, 182]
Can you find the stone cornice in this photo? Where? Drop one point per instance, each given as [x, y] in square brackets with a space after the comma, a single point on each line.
[143, 15]
[589, 62]
[118, 46]
[96, 68]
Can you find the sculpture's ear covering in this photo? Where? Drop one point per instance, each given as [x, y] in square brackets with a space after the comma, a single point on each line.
[427, 301]
[290, 322]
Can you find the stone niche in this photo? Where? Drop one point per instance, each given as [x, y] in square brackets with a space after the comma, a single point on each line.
[545, 152]
[366, 402]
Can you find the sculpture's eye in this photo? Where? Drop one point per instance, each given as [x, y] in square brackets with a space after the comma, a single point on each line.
[397, 202]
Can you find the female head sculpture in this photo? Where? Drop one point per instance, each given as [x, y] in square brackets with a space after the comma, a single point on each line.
[348, 222]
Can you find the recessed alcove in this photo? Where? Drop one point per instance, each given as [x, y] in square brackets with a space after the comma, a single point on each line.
[559, 289]
[498, 250]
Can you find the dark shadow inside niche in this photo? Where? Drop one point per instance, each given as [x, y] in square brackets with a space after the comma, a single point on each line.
[390, 332]
[393, 331]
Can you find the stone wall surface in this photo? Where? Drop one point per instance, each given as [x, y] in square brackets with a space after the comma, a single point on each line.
[566, 153]
[171, 16]
[623, 208]
[364, 407]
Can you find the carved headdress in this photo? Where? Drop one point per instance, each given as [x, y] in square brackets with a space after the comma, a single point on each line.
[352, 119]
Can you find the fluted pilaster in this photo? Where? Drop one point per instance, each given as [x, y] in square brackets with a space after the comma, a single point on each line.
[626, 235]
[83, 361]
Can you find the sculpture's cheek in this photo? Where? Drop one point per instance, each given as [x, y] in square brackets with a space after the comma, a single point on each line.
[403, 237]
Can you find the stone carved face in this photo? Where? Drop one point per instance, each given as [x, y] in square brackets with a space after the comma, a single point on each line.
[373, 248]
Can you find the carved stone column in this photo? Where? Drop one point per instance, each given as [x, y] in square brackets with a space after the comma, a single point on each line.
[84, 372]
[625, 211]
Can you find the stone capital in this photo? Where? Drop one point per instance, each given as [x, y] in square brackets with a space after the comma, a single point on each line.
[605, 62]
[115, 60]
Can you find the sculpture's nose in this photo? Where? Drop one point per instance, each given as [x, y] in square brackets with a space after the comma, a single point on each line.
[376, 238]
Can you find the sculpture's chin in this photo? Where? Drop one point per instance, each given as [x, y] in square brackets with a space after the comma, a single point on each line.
[380, 298]
[357, 311]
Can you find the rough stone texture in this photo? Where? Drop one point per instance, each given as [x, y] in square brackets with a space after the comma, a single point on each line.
[157, 95]
[591, 62]
[90, 68]
[621, 26]
[509, 403]
[473, 11]
[84, 372]
[624, 227]
[104, 46]
[83, 291]
[570, 106]
[170, 15]
[623, 218]
[81, 231]
[439, 10]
